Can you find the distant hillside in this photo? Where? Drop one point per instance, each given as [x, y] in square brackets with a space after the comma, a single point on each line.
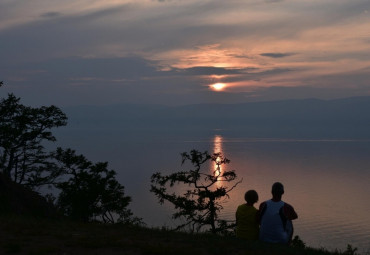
[342, 118]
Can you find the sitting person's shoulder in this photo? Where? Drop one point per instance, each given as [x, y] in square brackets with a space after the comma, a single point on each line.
[262, 205]
[286, 205]
[289, 211]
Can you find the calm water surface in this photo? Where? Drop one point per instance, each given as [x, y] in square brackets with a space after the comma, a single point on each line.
[327, 181]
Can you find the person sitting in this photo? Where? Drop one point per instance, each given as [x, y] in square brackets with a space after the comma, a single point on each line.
[275, 217]
[246, 217]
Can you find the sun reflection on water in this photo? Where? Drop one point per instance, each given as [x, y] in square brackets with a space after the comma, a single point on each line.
[217, 148]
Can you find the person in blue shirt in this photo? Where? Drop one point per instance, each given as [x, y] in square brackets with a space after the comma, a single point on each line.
[275, 218]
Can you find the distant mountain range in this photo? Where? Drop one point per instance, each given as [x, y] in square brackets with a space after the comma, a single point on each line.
[308, 118]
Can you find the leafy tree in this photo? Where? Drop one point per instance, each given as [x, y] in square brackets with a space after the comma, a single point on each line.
[23, 133]
[87, 191]
[200, 204]
[90, 191]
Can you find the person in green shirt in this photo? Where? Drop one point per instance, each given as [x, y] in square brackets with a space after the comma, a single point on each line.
[247, 226]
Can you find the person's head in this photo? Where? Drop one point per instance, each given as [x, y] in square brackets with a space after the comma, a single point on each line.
[251, 197]
[277, 189]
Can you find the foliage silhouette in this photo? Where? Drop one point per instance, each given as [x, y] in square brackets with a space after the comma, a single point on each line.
[200, 204]
[297, 242]
[87, 191]
[91, 191]
[23, 133]
[350, 250]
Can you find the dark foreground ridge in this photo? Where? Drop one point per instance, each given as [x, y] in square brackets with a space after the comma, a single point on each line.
[15, 199]
[21, 235]
[28, 226]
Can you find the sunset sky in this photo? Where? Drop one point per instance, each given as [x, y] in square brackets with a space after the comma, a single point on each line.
[173, 52]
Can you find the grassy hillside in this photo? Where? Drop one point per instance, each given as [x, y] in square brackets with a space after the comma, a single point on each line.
[20, 235]
[19, 200]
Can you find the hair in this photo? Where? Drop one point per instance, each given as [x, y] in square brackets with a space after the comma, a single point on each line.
[277, 189]
[251, 196]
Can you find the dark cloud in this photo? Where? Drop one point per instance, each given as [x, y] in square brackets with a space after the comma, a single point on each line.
[277, 55]
[275, 71]
[84, 69]
[50, 14]
[255, 74]
[208, 70]
[303, 92]
[62, 36]
[356, 80]
[274, 1]
[102, 13]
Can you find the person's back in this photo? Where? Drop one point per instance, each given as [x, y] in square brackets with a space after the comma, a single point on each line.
[247, 226]
[276, 217]
[272, 229]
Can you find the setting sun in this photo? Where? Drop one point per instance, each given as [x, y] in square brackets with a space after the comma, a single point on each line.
[218, 86]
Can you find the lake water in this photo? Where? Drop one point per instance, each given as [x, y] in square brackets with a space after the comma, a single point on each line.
[327, 181]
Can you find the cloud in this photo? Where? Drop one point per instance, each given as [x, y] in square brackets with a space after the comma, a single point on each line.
[50, 14]
[129, 49]
[274, 1]
[208, 70]
[303, 92]
[277, 55]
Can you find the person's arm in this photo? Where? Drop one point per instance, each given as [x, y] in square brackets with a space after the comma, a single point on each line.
[260, 212]
[289, 212]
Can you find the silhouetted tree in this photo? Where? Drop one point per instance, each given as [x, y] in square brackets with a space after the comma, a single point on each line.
[90, 191]
[87, 191]
[200, 204]
[23, 133]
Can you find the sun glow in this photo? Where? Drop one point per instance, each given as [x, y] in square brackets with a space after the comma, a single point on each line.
[218, 86]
